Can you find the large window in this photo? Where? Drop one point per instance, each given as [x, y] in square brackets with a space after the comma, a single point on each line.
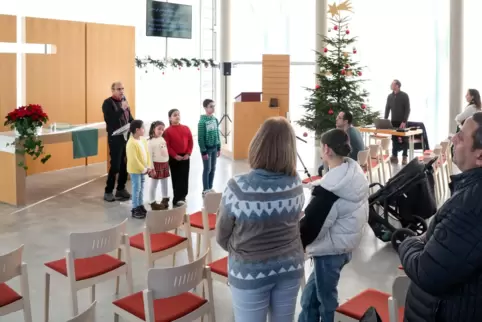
[472, 46]
[157, 92]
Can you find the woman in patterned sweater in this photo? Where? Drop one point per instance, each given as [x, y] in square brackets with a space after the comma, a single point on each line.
[258, 224]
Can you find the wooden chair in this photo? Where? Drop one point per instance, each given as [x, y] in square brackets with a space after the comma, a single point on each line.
[168, 296]
[87, 263]
[11, 266]
[396, 302]
[374, 163]
[203, 223]
[156, 241]
[385, 158]
[86, 316]
[363, 157]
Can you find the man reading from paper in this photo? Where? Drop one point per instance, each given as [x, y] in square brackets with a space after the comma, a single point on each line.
[116, 115]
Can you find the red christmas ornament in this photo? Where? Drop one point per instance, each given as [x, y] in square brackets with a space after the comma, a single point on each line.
[363, 106]
[162, 73]
[354, 51]
[330, 111]
[198, 68]
[359, 73]
[305, 134]
[325, 50]
[336, 27]
[347, 32]
[347, 66]
[179, 68]
[317, 86]
[343, 72]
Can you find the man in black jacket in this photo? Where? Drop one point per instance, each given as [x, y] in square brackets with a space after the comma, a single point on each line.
[116, 114]
[445, 264]
[398, 105]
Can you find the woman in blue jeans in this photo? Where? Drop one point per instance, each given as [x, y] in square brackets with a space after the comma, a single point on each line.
[258, 224]
[332, 226]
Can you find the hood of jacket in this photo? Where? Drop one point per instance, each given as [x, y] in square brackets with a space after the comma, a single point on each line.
[347, 181]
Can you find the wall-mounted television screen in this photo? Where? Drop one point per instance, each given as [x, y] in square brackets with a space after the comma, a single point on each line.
[164, 19]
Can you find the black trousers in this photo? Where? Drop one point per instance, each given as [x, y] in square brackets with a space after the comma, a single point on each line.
[180, 178]
[396, 144]
[118, 163]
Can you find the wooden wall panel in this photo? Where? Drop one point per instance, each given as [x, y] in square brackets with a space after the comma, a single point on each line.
[110, 57]
[57, 82]
[8, 71]
[276, 80]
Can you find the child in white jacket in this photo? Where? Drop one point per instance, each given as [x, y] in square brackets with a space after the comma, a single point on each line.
[160, 158]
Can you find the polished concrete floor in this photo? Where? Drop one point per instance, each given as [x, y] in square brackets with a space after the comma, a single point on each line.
[44, 227]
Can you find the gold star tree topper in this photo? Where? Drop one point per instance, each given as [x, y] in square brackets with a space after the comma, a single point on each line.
[335, 9]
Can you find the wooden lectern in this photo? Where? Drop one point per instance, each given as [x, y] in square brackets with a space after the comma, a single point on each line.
[251, 109]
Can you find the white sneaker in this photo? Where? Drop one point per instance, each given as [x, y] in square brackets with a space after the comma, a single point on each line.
[180, 203]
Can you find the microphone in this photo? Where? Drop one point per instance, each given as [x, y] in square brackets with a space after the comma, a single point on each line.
[301, 139]
[123, 98]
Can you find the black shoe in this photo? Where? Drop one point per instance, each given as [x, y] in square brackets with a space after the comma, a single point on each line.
[109, 197]
[143, 209]
[138, 213]
[122, 195]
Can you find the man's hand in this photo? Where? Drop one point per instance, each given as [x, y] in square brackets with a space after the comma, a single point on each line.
[124, 105]
[219, 154]
[205, 157]
[186, 157]
[403, 125]
[178, 157]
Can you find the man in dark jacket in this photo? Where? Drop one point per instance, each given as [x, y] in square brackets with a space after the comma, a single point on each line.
[398, 106]
[445, 264]
[116, 114]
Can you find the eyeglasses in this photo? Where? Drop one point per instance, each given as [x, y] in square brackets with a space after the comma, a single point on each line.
[120, 89]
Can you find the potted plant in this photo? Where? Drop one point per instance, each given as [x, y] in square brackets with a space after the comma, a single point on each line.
[26, 121]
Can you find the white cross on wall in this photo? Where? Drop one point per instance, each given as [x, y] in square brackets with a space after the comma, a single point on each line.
[21, 48]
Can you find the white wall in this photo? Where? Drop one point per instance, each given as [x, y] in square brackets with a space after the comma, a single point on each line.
[155, 93]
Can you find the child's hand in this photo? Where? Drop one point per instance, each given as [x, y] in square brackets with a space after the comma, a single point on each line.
[205, 157]
[186, 157]
[178, 157]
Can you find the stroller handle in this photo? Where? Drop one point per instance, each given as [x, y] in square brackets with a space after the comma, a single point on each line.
[430, 163]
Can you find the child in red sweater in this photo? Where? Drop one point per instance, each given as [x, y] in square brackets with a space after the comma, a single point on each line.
[179, 145]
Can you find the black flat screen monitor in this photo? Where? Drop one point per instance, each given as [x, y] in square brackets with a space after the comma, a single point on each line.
[172, 20]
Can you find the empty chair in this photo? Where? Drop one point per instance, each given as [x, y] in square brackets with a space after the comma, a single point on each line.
[203, 222]
[11, 266]
[156, 241]
[86, 316]
[87, 263]
[168, 296]
[396, 302]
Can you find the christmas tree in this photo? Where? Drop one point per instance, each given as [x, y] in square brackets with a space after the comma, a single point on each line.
[339, 82]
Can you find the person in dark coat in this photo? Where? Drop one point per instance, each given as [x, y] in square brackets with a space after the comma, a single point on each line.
[445, 264]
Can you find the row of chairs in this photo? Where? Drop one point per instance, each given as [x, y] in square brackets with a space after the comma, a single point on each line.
[87, 263]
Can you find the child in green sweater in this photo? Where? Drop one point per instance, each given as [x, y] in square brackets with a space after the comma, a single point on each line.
[209, 144]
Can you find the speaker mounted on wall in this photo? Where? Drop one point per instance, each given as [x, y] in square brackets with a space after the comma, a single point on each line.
[227, 68]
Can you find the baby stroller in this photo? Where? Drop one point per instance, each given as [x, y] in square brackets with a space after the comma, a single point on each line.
[408, 198]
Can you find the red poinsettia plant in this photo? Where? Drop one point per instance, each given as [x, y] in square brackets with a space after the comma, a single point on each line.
[25, 120]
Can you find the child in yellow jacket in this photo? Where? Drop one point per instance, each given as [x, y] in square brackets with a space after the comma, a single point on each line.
[138, 162]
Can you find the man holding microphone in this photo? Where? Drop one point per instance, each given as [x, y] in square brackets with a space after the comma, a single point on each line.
[116, 115]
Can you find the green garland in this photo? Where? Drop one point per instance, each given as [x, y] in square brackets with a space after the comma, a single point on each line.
[175, 63]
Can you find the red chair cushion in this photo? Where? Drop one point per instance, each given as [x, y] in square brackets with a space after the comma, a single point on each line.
[86, 268]
[220, 266]
[159, 242]
[386, 157]
[313, 178]
[374, 163]
[197, 220]
[400, 267]
[357, 306]
[427, 152]
[7, 295]
[165, 310]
